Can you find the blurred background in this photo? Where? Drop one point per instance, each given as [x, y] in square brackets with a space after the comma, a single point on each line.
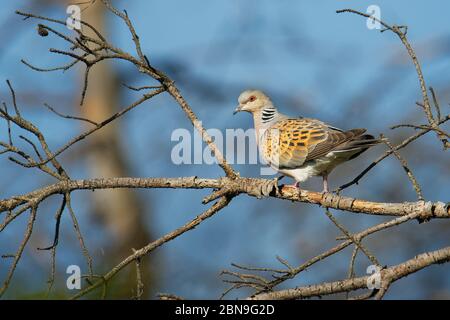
[310, 60]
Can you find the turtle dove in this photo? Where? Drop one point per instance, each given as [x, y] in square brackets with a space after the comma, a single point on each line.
[300, 147]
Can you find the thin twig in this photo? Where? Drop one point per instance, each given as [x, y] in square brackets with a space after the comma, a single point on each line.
[405, 166]
[58, 221]
[139, 283]
[19, 252]
[76, 227]
[403, 38]
[356, 241]
[223, 202]
[69, 117]
[403, 144]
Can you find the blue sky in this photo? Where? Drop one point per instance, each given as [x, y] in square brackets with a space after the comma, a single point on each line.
[312, 62]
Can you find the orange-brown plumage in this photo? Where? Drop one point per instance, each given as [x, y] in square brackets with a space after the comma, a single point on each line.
[301, 147]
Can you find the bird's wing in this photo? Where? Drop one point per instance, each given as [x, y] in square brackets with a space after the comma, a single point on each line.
[289, 143]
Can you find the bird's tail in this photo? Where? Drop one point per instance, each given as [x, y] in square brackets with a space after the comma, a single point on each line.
[359, 141]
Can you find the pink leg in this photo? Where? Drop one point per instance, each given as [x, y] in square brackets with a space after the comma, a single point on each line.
[295, 185]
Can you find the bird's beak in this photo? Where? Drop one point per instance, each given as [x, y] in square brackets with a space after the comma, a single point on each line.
[238, 109]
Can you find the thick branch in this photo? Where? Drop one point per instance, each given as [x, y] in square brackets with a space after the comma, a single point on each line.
[251, 186]
[388, 276]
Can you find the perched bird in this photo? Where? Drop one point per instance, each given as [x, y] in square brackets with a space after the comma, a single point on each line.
[300, 147]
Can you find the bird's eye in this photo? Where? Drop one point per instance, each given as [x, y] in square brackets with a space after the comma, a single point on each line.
[252, 98]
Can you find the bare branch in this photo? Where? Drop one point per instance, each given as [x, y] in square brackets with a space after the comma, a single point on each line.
[82, 136]
[13, 94]
[249, 186]
[95, 49]
[388, 275]
[76, 227]
[19, 252]
[139, 283]
[58, 221]
[386, 154]
[402, 35]
[223, 202]
[357, 243]
[292, 272]
[408, 171]
[69, 117]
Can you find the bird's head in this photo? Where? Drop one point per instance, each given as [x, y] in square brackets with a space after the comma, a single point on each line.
[252, 101]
